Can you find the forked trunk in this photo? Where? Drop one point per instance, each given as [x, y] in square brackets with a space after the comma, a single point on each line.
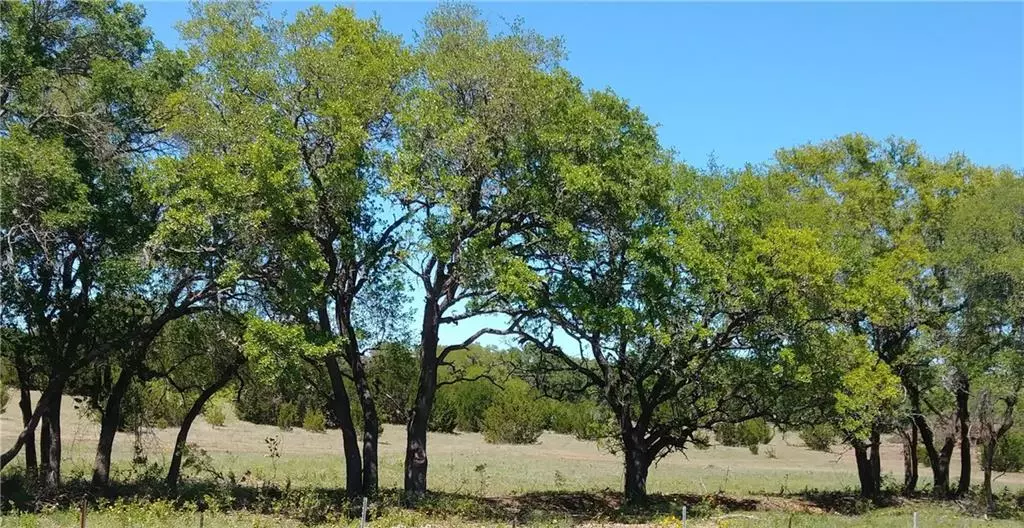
[349, 441]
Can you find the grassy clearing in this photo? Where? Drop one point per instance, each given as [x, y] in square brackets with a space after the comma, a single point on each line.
[558, 482]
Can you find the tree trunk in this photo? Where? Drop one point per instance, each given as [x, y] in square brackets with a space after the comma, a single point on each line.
[419, 415]
[910, 461]
[51, 393]
[349, 441]
[109, 423]
[986, 485]
[174, 471]
[869, 466]
[964, 419]
[25, 403]
[938, 458]
[637, 464]
[371, 427]
[52, 445]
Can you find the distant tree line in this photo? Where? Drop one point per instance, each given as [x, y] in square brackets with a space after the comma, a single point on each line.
[259, 211]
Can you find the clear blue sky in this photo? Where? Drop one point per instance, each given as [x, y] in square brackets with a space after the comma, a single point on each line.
[743, 79]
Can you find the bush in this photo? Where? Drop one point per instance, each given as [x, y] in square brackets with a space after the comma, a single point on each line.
[819, 437]
[444, 416]
[585, 419]
[516, 417]
[4, 398]
[746, 434]
[214, 414]
[922, 456]
[471, 399]
[1009, 455]
[287, 415]
[314, 421]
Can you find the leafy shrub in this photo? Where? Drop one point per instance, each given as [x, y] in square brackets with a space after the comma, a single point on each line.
[314, 421]
[4, 398]
[516, 417]
[922, 456]
[586, 420]
[214, 414]
[287, 415]
[393, 372]
[819, 437]
[471, 399]
[748, 433]
[444, 416]
[1009, 455]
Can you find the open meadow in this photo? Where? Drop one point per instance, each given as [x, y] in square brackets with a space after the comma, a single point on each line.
[559, 480]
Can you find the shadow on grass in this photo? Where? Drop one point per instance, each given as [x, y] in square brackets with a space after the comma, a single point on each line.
[320, 504]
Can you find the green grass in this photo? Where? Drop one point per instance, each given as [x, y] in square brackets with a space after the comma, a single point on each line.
[558, 482]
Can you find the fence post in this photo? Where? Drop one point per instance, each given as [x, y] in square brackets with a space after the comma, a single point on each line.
[684, 516]
[81, 514]
[362, 518]
[915, 519]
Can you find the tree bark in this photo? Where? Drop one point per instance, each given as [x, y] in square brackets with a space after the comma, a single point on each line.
[419, 415]
[910, 461]
[174, 471]
[637, 464]
[964, 419]
[25, 404]
[109, 423]
[986, 485]
[371, 427]
[52, 445]
[349, 441]
[869, 466]
[52, 392]
[938, 458]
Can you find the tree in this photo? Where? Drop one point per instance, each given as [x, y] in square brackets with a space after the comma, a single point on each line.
[197, 356]
[888, 209]
[985, 249]
[285, 126]
[679, 289]
[81, 108]
[471, 166]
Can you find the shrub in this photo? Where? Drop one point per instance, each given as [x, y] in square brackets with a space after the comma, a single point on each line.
[444, 416]
[287, 415]
[1009, 455]
[214, 414]
[4, 398]
[585, 419]
[516, 417]
[471, 399]
[314, 421]
[819, 437]
[922, 456]
[747, 433]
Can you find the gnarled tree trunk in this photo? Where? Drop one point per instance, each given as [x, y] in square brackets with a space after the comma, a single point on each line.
[419, 415]
[25, 404]
[869, 466]
[109, 423]
[51, 444]
[637, 463]
[964, 419]
[349, 442]
[910, 461]
[174, 470]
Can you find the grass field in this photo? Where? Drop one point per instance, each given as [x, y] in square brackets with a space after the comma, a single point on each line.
[556, 477]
